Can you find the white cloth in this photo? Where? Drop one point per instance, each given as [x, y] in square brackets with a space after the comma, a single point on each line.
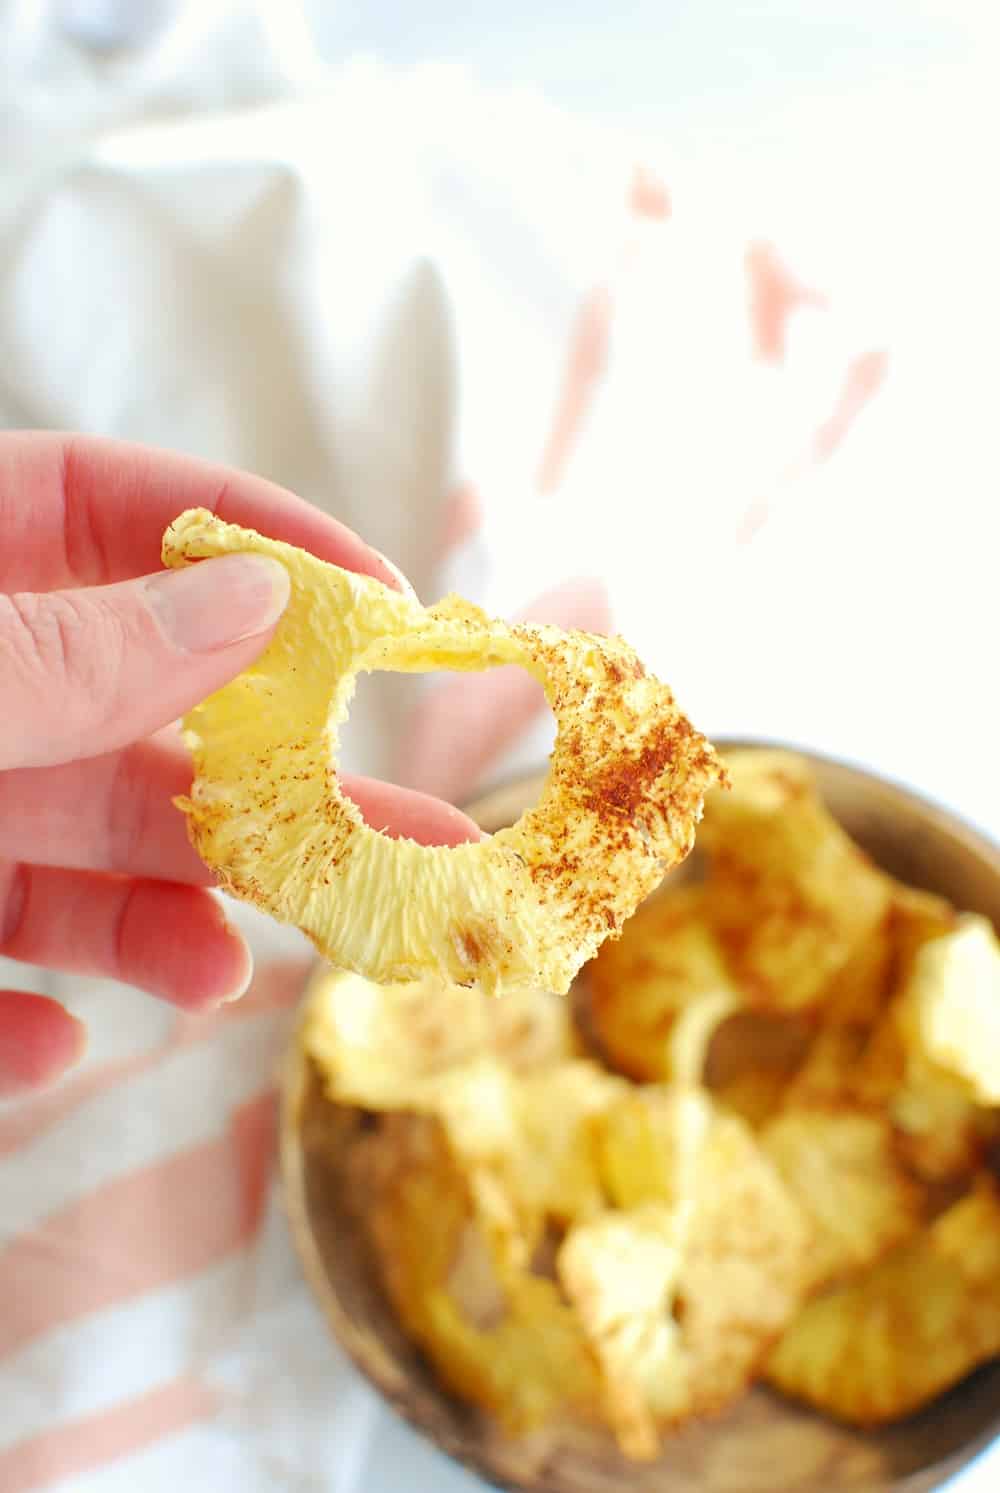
[364, 283]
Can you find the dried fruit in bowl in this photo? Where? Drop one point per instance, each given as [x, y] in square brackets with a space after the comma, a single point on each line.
[841, 1167]
[928, 1062]
[792, 898]
[526, 1144]
[621, 1272]
[387, 1046]
[501, 1338]
[523, 908]
[950, 1007]
[658, 993]
[682, 1288]
[881, 1346]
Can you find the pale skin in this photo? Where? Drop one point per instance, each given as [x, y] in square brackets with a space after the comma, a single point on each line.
[100, 652]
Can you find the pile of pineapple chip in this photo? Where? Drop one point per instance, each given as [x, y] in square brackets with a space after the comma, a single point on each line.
[763, 1152]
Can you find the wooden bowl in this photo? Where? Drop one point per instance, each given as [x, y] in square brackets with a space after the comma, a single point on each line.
[764, 1444]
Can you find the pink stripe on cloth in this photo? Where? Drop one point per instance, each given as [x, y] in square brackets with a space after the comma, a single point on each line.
[865, 377]
[141, 1232]
[585, 365]
[774, 293]
[68, 1450]
[32, 1117]
[275, 987]
[462, 516]
[648, 195]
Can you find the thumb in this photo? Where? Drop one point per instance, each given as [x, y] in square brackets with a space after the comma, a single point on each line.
[84, 672]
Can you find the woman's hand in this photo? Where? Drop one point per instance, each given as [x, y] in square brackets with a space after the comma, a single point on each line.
[100, 650]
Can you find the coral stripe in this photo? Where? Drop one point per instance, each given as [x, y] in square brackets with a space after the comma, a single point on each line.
[588, 356]
[774, 293]
[276, 985]
[462, 517]
[140, 1232]
[648, 196]
[81, 1445]
[31, 1118]
[254, 1129]
[865, 377]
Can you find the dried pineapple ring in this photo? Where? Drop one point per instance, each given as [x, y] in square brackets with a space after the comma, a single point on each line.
[526, 907]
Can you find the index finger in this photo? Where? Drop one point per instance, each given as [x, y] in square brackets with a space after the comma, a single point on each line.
[84, 511]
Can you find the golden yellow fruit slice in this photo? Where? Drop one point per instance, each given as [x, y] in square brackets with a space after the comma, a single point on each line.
[840, 1166]
[689, 1281]
[525, 908]
[389, 1046]
[950, 1008]
[793, 900]
[883, 1345]
[501, 1338]
[916, 918]
[659, 992]
[620, 1272]
[525, 1144]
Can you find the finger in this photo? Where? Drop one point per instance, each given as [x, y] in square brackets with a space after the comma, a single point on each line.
[111, 813]
[88, 671]
[173, 941]
[467, 722]
[404, 814]
[81, 511]
[38, 1041]
[116, 813]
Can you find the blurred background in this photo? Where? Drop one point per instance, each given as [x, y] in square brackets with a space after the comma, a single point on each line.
[696, 299]
[675, 318]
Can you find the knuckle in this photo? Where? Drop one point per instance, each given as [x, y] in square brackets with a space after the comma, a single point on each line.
[74, 645]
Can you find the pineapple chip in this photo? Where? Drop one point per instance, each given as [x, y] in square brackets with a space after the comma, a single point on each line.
[916, 918]
[881, 1346]
[501, 1338]
[791, 897]
[842, 1169]
[919, 1062]
[387, 1046]
[526, 1145]
[683, 1288]
[941, 1133]
[523, 908]
[951, 1007]
[659, 992]
[620, 1273]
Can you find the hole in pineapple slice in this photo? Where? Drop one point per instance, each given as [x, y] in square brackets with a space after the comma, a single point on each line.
[444, 733]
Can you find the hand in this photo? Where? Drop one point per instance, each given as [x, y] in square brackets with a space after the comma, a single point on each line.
[100, 650]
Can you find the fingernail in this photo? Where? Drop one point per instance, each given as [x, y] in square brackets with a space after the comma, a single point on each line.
[396, 573]
[215, 603]
[245, 978]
